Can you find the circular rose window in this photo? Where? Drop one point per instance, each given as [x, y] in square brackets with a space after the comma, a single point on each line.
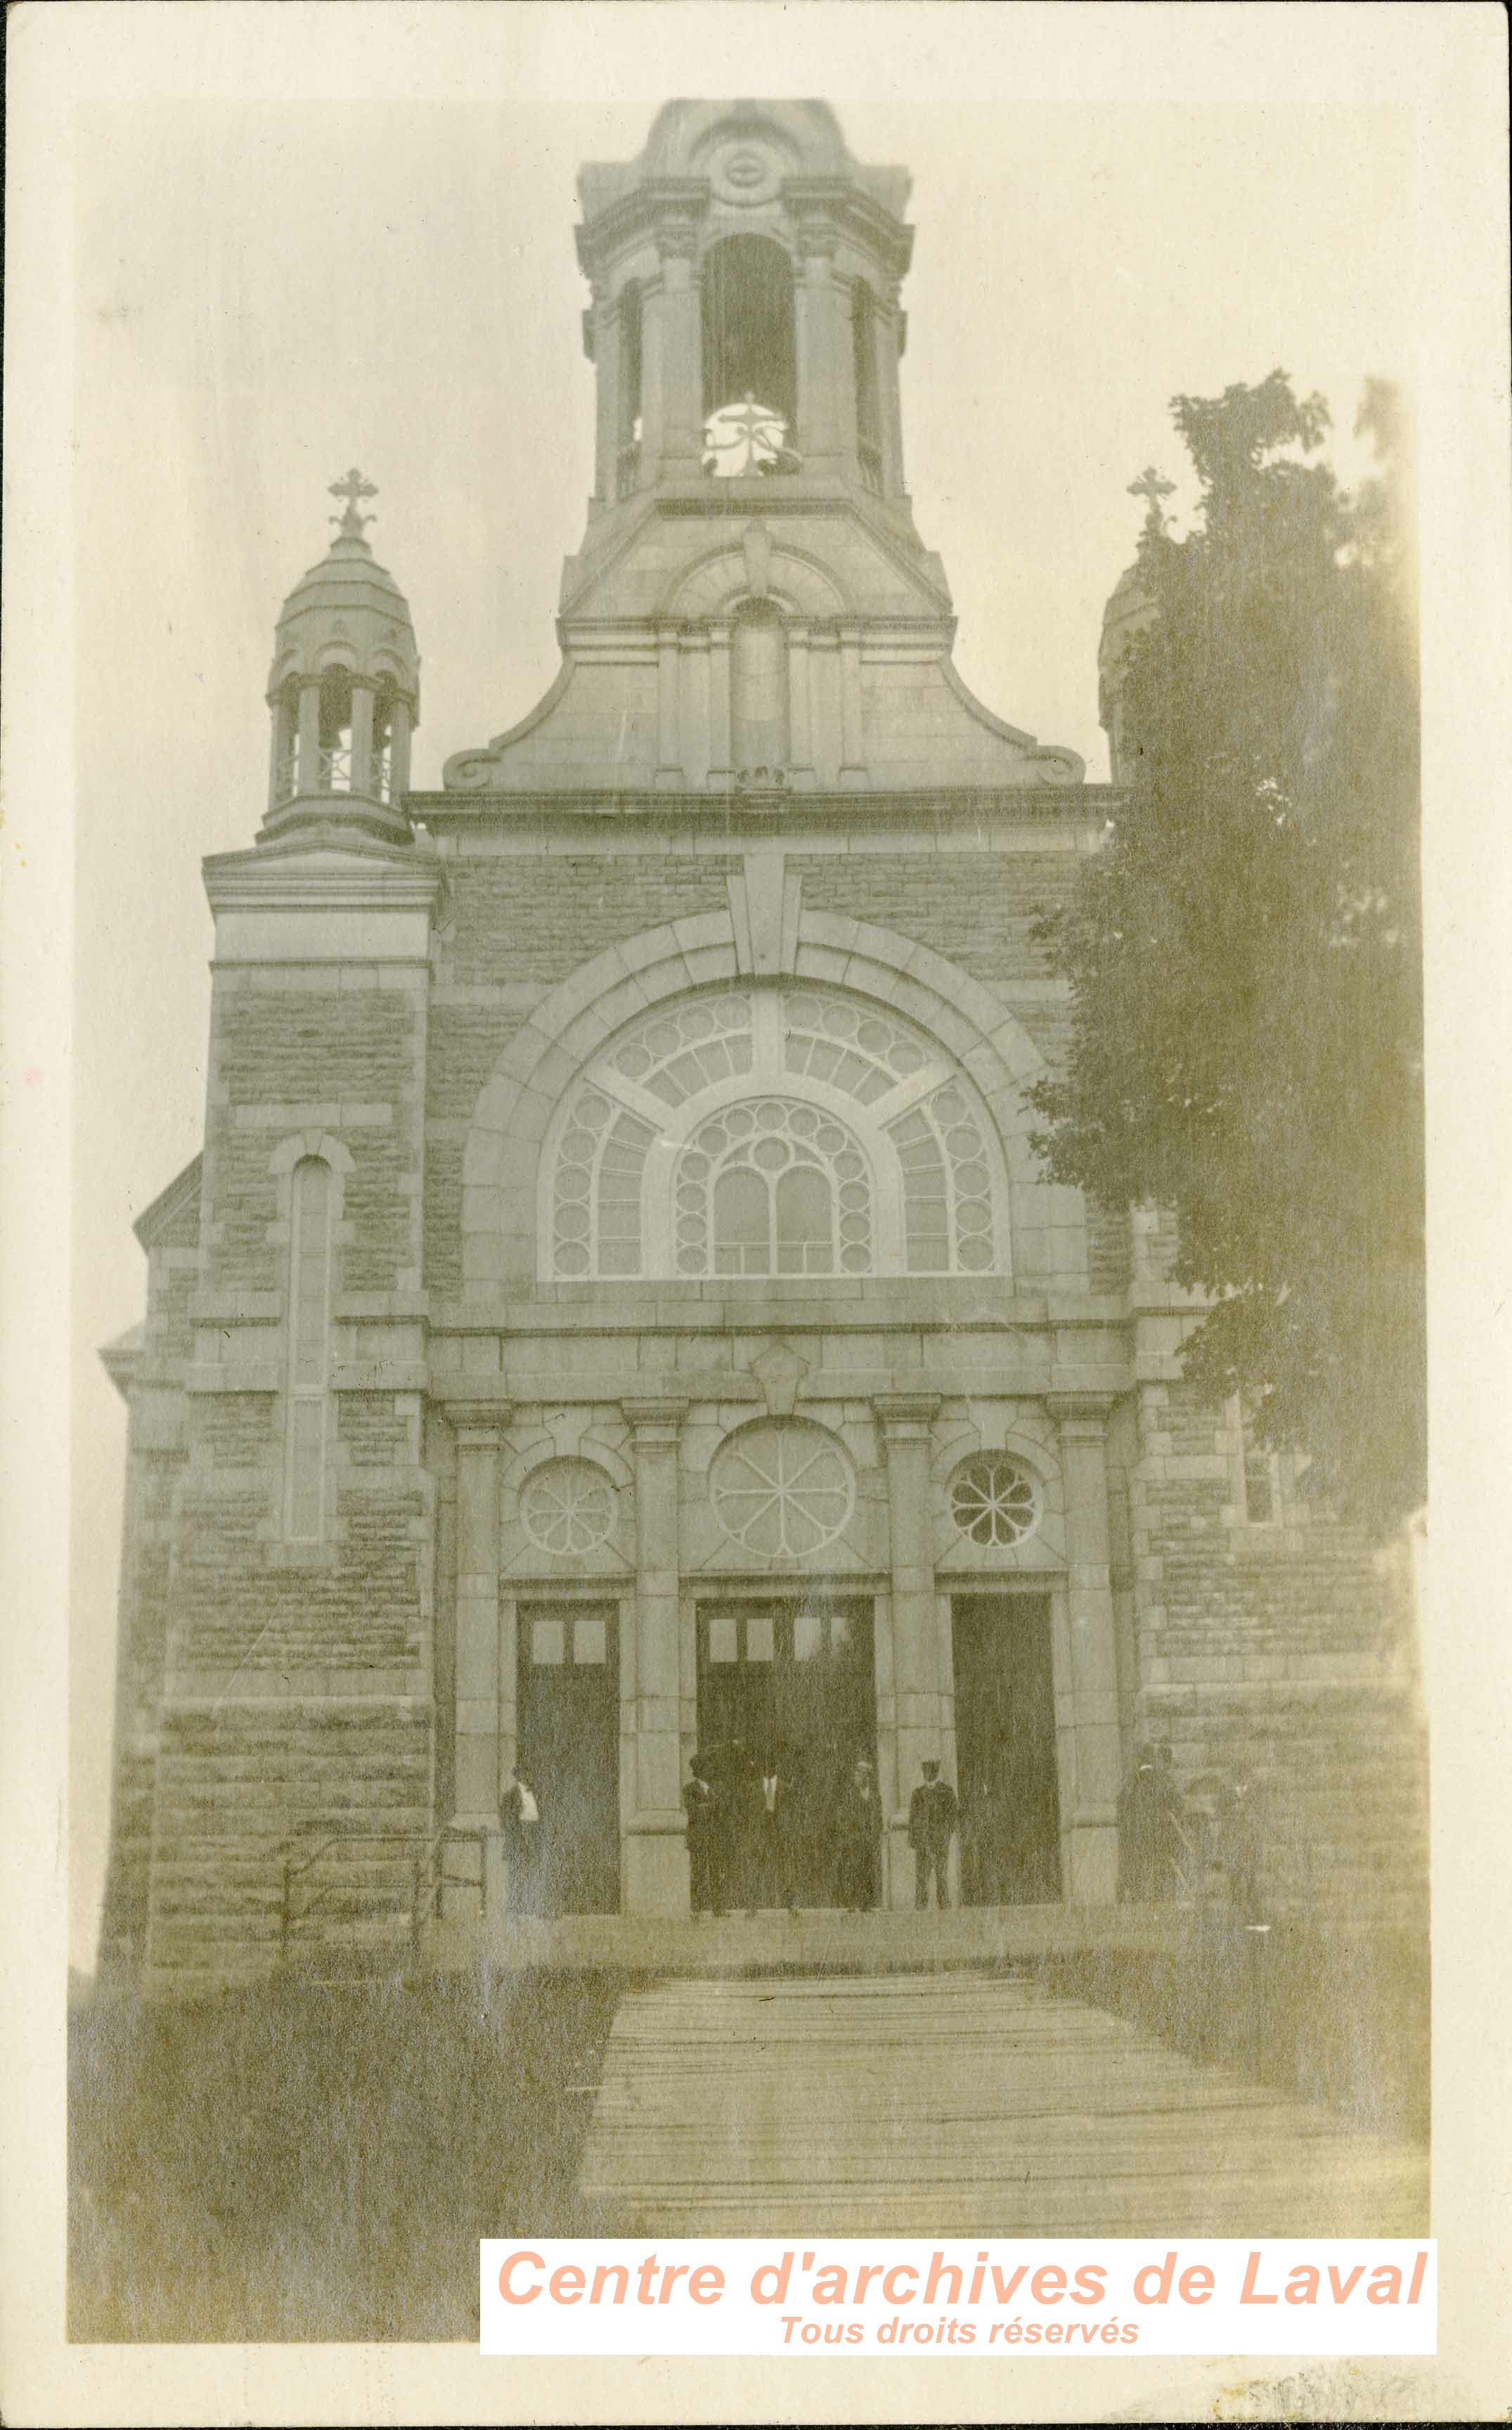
[992, 1498]
[782, 1489]
[568, 1506]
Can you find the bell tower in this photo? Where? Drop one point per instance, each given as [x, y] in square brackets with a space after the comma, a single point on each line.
[746, 320]
[752, 609]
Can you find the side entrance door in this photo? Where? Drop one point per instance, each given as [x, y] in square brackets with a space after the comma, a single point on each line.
[568, 1738]
[1005, 1750]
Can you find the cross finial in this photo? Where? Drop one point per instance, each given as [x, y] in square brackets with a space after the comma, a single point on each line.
[1151, 487]
[350, 487]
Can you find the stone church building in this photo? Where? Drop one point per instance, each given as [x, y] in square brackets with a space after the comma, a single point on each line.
[618, 1308]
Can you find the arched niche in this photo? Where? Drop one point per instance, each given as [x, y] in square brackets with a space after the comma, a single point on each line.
[758, 687]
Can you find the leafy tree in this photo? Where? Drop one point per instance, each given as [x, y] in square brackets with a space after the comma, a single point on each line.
[1244, 956]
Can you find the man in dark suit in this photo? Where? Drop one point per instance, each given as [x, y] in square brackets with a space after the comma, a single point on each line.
[703, 1823]
[931, 1828]
[770, 1822]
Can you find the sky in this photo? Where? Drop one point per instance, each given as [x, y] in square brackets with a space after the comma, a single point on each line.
[290, 258]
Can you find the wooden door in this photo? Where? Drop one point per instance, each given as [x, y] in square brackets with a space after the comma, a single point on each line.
[569, 1751]
[1005, 1749]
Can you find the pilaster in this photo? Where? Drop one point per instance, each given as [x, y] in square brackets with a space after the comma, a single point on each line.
[907, 1420]
[1082, 1419]
[484, 1676]
[655, 1878]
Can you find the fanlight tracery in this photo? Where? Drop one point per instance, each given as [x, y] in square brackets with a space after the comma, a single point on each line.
[756, 1131]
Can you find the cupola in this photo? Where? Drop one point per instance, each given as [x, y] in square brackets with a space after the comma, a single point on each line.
[1131, 609]
[343, 689]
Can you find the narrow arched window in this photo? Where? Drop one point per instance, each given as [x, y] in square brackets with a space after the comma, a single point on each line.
[309, 1295]
[758, 688]
[742, 1224]
[773, 1222]
[335, 772]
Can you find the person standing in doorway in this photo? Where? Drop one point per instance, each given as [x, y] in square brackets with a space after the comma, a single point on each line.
[520, 1812]
[772, 1817]
[860, 1839]
[698, 1804]
[931, 1828]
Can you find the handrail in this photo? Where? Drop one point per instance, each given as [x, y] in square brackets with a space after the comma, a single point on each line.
[429, 1859]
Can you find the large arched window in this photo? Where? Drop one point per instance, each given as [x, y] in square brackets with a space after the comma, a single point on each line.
[769, 1131]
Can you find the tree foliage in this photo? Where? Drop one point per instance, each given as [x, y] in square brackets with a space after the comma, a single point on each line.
[1244, 956]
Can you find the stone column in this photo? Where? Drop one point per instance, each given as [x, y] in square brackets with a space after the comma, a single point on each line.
[606, 327]
[671, 341]
[278, 752]
[905, 1420]
[655, 1872]
[885, 326]
[721, 767]
[1082, 1418]
[399, 752]
[308, 776]
[818, 433]
[800, 718]
[697, 742]
[852, 743]
[823, 707]
[668, 721]
[362, 736]
[479, 1429]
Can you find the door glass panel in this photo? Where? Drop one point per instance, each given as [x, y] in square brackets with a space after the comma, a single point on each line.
[546, 1641]
[587, 1641]
[807, 1635]
[758, 1636]
[721, 1640]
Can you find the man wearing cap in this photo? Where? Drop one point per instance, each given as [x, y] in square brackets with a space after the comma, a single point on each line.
[931, 1828]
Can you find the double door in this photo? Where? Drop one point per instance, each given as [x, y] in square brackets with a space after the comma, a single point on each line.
[787, 1684]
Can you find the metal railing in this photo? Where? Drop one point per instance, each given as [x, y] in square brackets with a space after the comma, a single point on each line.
[429, 1881]
[288, 1917]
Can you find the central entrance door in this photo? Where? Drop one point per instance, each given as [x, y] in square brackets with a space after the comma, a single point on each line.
[569, 1751]
[793, 1678]
[1005, 1749]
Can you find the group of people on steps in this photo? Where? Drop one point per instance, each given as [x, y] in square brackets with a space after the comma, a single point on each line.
[754, 1841]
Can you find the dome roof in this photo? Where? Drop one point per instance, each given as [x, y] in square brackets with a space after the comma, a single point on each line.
[743, 148]
[1130, 607]
[347, 611]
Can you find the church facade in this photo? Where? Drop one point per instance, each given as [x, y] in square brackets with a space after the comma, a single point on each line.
[618, 1307]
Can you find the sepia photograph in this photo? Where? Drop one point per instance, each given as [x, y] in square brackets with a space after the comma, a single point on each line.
[750, 1326]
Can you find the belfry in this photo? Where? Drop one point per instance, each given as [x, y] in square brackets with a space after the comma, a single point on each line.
[617, 1310]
